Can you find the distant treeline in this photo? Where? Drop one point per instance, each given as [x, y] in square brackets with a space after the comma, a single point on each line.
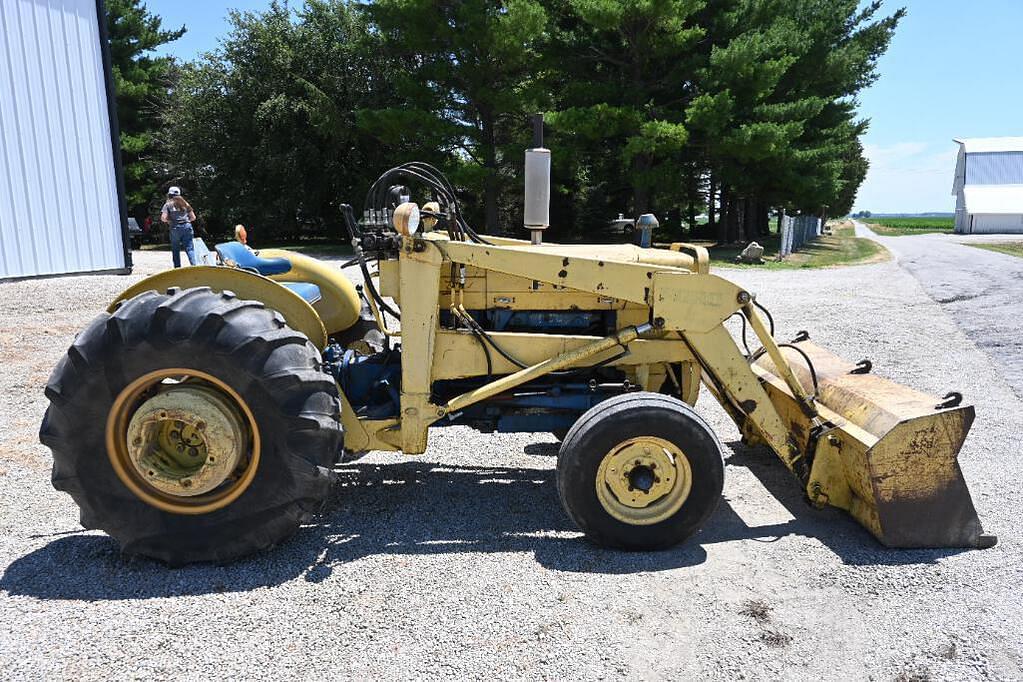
[733, 108]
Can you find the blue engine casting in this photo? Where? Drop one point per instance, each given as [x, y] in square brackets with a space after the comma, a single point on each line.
[372, 383]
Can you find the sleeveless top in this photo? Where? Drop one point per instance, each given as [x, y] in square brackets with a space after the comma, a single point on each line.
[176, 216]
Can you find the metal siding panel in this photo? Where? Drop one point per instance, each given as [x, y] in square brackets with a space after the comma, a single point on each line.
[997, 224]
[961, 218]
[995, 168]
[960, 173]
[994, 199]
[59, 205]
[16, 245]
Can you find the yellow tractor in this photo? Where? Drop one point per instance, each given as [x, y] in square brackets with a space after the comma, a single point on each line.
[201, 416]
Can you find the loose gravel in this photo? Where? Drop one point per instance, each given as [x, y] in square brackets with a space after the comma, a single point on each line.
[461, 562]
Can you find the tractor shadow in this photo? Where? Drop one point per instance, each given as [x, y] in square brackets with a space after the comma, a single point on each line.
[834, 528]
[418, 508]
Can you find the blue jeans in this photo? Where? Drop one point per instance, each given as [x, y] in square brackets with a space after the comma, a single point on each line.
[181, 238]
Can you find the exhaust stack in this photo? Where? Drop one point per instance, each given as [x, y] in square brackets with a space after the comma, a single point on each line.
[537, 209]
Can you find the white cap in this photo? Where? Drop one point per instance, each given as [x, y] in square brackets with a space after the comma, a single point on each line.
[174, 192]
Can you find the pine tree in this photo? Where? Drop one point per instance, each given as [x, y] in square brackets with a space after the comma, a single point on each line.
[776, 113]
[622, 72]
[465, 85]
[140, 81]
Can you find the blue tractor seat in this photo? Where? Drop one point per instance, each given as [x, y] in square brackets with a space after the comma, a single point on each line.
[307, 290]
[238, 255]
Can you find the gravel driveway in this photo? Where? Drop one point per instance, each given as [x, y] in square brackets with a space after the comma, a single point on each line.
[979, 289]
[461, 562]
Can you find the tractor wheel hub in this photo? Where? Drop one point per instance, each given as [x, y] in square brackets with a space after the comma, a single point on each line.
[186, 440]
[643, 480]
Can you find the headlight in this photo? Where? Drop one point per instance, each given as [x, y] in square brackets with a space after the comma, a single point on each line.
[406, 219]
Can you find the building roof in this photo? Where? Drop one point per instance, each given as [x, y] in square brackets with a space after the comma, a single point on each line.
[994, 199]
[981, 145]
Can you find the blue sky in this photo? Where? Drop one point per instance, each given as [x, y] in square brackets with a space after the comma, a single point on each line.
[953, 70]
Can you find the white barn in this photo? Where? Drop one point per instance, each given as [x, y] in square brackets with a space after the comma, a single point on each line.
[61, 187]
[988, 185]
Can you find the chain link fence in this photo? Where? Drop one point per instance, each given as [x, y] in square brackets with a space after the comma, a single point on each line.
[796, 231]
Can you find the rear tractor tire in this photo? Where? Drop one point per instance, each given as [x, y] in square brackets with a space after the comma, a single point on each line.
[640, 471]
[193, 426]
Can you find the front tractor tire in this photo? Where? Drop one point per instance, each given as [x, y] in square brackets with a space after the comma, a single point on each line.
[193, 426]
[640, 471]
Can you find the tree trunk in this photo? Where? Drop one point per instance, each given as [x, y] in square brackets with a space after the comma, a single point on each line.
[692, 196]
[640, 192]
[674, 220]
[748, 228]
[733, 216]
[763, 218]
[490, 166]
[722, 223]
[712, 191]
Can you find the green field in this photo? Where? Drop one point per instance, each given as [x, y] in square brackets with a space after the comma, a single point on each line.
[896, 227]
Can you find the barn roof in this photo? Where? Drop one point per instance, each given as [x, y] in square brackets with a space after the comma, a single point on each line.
[994, 199]
[980, 145]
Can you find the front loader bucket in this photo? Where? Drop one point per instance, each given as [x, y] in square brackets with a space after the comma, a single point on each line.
[891, 458]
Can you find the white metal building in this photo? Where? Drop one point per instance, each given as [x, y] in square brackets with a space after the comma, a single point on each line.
[61, 191]
[988, 185]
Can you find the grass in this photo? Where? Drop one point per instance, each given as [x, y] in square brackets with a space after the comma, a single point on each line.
[898, 227]
[841, 247]
[1008, 248]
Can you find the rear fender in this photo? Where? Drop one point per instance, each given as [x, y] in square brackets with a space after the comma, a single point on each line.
[299, 315]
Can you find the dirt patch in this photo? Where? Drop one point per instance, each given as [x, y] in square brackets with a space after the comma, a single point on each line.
[915, 675]
[775, 639]
[757, 609]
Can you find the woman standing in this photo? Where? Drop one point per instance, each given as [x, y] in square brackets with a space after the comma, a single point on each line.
[178, 214]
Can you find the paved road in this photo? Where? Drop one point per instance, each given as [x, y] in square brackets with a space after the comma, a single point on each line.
[980, 289]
